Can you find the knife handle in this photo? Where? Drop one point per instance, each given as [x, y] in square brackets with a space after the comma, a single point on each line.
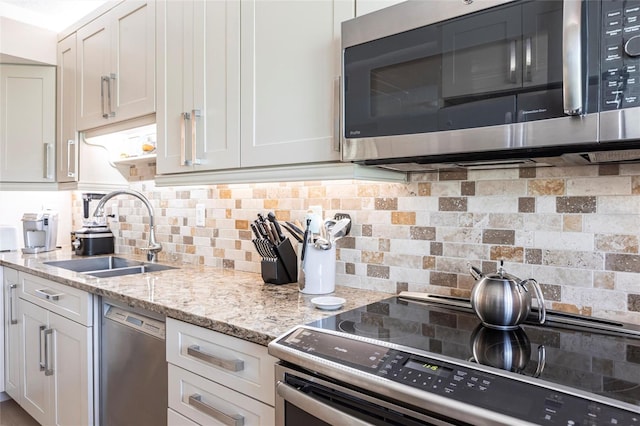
[254, 228]
[276, 225]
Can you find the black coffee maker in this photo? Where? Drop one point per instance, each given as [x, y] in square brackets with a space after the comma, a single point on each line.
[93, 238]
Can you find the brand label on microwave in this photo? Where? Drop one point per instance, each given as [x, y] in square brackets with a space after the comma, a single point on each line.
[354, 132]
[534, 111]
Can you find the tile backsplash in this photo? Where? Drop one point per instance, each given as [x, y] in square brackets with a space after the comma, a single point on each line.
[575, 230]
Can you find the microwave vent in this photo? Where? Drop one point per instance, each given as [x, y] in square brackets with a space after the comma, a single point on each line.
[613, 156]
[479, 165]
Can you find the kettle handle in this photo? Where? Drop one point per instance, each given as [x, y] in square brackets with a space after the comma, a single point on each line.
[542, 359]
[542, 311]
[475, 272]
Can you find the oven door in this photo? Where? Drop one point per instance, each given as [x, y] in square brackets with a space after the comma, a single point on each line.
[306, 399]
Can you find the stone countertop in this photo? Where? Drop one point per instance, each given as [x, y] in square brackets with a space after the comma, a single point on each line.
[236, 303]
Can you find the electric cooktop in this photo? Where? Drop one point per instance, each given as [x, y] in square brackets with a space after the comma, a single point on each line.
[591, 355]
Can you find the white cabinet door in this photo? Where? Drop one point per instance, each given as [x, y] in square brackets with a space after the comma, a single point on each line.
[133, 59]
[56, 369]
[93, 42]
[116, 65]
[67, 142]
[290, 68]
[198, 70]
[36, 393]
[27, 123]
[71, 366]
[13, 336]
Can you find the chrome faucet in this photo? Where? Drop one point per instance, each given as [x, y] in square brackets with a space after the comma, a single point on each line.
[154, 246]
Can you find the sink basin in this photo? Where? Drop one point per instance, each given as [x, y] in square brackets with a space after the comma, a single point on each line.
[110, 266]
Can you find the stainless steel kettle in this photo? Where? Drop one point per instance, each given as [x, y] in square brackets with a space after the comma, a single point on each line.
[503, 301]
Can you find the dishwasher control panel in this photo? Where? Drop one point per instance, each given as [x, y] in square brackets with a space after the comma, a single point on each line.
[136, 321]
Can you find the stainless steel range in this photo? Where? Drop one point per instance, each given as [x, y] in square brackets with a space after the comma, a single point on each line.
[418, 359]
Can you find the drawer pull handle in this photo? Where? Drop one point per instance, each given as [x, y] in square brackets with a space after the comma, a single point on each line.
[195, 400]
[227, 364]
[48, 296]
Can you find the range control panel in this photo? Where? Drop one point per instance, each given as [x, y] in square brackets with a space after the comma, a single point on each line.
[511, 396]
[620, 54]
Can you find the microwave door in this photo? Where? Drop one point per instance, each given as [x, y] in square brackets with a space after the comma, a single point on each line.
[482, 54]
[392, 86]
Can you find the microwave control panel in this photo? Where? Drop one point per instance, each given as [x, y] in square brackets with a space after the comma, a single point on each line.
[621, 54]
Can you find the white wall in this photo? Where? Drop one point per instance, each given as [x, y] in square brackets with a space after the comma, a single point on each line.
[13, 204]
[20, 43]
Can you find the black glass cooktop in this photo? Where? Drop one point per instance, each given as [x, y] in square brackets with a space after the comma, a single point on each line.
[603, 364]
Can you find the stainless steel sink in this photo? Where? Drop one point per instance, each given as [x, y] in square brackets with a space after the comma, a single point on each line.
[110, 266]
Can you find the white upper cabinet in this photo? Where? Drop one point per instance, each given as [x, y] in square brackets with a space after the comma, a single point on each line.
[28, 123]
[245, 84]
[290, 68]
[198, 71]
[116, 65]
[67, 142]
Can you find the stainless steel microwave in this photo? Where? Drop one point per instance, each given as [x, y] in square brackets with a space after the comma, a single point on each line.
[490, 82]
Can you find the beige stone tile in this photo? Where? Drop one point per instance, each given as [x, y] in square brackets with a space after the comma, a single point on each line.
[501, 188]
[604, 185]
[572, 223]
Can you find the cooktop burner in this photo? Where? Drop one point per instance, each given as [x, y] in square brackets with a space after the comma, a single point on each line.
[600, 363]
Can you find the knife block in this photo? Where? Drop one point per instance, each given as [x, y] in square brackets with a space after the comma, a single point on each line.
[284, 268]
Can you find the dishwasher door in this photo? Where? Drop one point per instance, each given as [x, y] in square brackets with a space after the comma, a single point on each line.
[133, 367]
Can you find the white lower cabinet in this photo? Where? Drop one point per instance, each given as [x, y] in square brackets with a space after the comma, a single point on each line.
[50, 357]
[218, 379]
[176, 419]
[12, 336]
[207, 402]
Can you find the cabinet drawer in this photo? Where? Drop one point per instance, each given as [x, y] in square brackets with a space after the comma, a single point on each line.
[175, 419]
[67, 301]
[243, 366]
[209, 403]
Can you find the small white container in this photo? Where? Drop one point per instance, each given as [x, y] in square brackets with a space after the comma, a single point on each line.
[8, 238]
[319, 271]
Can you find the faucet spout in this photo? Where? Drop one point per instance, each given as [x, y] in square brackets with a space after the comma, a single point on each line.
[154, 247]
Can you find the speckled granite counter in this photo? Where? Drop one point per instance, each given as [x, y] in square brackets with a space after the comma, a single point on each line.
[231, 302]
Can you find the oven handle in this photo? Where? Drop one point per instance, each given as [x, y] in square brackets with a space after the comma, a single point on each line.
[572, 57]
[317, 409]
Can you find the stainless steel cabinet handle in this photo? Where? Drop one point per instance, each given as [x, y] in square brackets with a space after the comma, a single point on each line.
[42, 293]
[40, 347]
[48, 371]
[228, 419]
[47, 161]
[572, 57]
[227, 364]
[195, 114]
[317, 409]
[183, 136]
[527, 59]
[70, 144]
[337, 114]
[104, 79]
[112, 110]
[512, 62]
[12, 317]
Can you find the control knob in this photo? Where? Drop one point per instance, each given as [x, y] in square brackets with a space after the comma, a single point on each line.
[632, 46]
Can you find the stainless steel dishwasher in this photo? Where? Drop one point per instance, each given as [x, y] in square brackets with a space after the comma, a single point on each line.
[133, 366]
